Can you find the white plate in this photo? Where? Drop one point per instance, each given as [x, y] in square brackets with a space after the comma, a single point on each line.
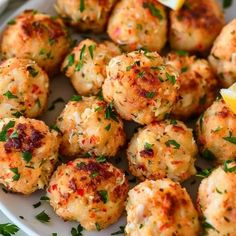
[14, 206]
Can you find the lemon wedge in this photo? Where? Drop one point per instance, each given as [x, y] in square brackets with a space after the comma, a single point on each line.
[173, 4]
[229, 96]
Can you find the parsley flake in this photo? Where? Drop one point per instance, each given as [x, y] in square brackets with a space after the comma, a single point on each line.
[16, 177]
[42, 217]
[9, 95]
[173, 143]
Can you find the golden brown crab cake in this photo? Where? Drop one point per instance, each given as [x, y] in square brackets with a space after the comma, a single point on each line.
[216, 132]
[196, 25]
[86, 65]
[223, 55]
[198, 84]
[141, 86]
[23, 89]
[89, 191]
[86, 15]
[90, 126]
[163, 149]
[217, 201]
[136, 24]
[28, 154]
[36, 36]
[160, 207]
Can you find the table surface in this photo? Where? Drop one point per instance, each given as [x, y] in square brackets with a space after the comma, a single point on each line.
[13, 5]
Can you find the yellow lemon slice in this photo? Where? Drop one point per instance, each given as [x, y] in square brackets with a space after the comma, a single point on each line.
[229, 96]
[173, 4]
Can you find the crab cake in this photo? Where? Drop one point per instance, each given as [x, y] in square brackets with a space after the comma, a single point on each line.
[136, 24]
[89, 191]
[162, 149]
[28, 154]
[90, 126]
[223, 55]
[86, 65]
[36, 36]
[141, 86]
[216, 132]
[217, 201]
[86, 15]
[196, 25]
[198, 85]
[160, 207]
[23, 88]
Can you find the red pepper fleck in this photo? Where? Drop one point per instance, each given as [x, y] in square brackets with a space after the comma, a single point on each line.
[54, 186]
[80, 192]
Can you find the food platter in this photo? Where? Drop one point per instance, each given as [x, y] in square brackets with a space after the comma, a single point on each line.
[20, 209]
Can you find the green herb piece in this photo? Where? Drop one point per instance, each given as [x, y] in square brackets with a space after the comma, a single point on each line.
[76, 98]
[230, 139]
[9, 95]
[77, 231]
[121, 231]
[110, 113]
[228, 169]
[71, 60]
[33, 72]
[94, 174]
[101, 159]
[8, 229]
[11, 22]
[98, 227]
[172, 143]
[79, 66]
[171, 78]
[27, 156]
[173, 122]
[100, 95]
[17, 114]
[201, 121]
[128, 68]
[207, 226]
[36, 205]
[3, 133]
[148, 146]
[141, 74]
[53, 105]
[108, 127]
[99, 108]
[227, 3]
[104, 196]
[91, 50]
[16, 177]
[52, 41]
[150, 95]
[81, 164]
[184, 69]
[38, 103]
[154, 11]
[44, 198]
[218, 191]
[42, 217]
[55, 127]
[182, 52]
[204, 173]
[54, 234]
[208, 155]
[82, 6]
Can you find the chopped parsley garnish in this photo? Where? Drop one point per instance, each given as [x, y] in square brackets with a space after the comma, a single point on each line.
[36, 205]
[42, 217]
[80, 63]
[3, 133]
[53, 105]
[98, 227]
[184, 69]
[82, 6]
[201, 121]
[204, 173]
[150, 94]
[108, 127]
[148, 146]
[227, 3]
[94, 174]
[52, 41]
[230, 139]
[173, 122]
[128, 68]
[76, 98]
[38, 103]
[206, 226]
[27, 156]
[71, 60]
[9, 95]
[171, 78]
[218, 191]
[101, 159]
[173, 143]
[228, 169]
[121, 231]
[33, 72]
[55, 127]
[141, 74]
[104, 196]
[182, 52]
[16, 177]
[100, 96]
[154, 11]
[110, 112]
[44, 198]
[77, 231]
[91, 50]
[207, 154]
[11, 22]
[17, 114]
[8, 229]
